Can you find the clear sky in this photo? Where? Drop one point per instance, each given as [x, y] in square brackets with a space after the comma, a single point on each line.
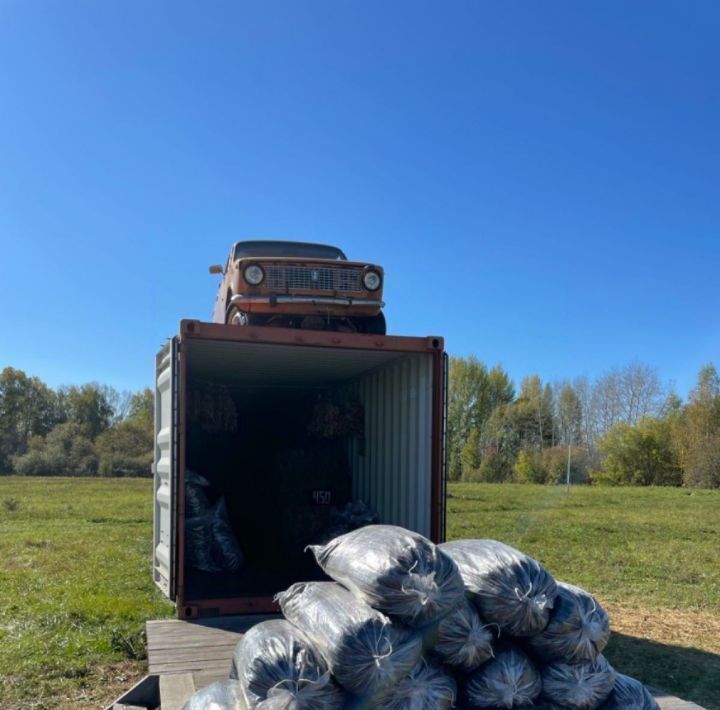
[541, 180]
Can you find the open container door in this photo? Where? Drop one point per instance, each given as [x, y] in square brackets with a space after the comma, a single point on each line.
[165, 469]
[286, 426]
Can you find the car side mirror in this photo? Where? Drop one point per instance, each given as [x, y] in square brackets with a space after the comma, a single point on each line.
[216, 269]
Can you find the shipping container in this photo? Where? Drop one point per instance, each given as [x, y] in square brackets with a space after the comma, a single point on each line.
[287, 427]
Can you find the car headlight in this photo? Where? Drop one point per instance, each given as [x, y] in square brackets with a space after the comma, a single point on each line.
[372, 280]
[254, 274]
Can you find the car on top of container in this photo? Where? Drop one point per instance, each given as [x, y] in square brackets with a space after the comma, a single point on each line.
[299, 285]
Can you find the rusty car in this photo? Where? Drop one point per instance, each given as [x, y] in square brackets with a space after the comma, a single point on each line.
[299, 285]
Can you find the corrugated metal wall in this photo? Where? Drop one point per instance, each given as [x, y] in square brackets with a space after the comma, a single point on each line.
[392, 466]
[162, 513]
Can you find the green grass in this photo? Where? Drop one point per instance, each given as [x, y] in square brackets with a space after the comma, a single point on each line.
[639, 546]
[76, 589]
[76, 586]
[651, 555]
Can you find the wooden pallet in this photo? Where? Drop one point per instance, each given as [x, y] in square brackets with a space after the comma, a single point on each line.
[188, 655]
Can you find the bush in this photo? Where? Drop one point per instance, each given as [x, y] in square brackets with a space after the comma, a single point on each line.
[702, 467]
[125, 450]
[555, 463]
[550, 466]
[66, 451]
[641, 455]
[495, 468]
[530, 467]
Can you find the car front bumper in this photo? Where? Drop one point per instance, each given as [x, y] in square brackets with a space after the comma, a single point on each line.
[241, 300]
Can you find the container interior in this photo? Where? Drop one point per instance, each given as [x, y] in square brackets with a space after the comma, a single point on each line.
[285, 438]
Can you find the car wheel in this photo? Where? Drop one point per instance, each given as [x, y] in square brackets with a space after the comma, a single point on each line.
[236, 317]
[375, 325]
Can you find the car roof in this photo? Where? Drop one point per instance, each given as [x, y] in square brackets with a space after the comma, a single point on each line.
[255, 247]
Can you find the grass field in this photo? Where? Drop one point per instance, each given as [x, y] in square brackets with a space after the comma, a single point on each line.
[75, 586]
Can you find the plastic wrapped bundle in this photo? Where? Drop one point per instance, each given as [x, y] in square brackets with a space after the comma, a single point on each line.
[510, 680]
[226, 548]
[363, 650]
[463, 640]
[394, 570]
[629, 694]
[223, 695]
[353, 515]
[426, 687]
[578, 630]
[196, 499]
[581, 686]
[199, 544]
[510, 589]
[275, 661]
[210, 543]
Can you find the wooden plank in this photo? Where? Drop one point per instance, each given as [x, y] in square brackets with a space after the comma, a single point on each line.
[207, 676]
[668, 702]
[175, 690]
[206, 646]
[194, 656]
[197, 647]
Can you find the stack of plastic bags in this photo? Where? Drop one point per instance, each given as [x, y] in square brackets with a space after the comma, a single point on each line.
[409, 625]
[210, 542]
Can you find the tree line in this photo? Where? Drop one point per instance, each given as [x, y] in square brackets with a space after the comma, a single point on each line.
[84, 430]
[623, 428]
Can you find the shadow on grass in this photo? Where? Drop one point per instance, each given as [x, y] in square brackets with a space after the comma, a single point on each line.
[688, 673]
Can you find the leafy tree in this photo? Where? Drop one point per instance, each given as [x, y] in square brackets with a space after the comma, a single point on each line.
[569, 415]
[532, 414]
[698, 435]
[142, 408]
[89, 406]
[28, 407]
[125, 449]
[640, 455]
[474, 392]
[471, 455]
[501, 434]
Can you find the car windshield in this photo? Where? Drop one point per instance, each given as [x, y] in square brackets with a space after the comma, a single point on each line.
[301, 249]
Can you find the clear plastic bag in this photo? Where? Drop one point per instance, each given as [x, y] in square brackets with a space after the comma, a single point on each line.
[351, 516]
[196, 499]
[199, 543]
[226, 548]
[223, 695]
[275, 662]
[394, 570]
[427, 687]
[629, 694]
[581, 686]
[578, 630]
[510, 588]
[210, 543]
[363, 650]
[463, 640]
[510, 680]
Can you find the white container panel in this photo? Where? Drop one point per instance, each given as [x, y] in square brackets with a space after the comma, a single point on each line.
[392, 469]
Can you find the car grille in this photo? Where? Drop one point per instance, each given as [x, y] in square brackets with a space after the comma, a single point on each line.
[312, 278]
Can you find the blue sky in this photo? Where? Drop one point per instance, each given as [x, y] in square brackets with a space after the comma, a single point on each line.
[540, 180]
